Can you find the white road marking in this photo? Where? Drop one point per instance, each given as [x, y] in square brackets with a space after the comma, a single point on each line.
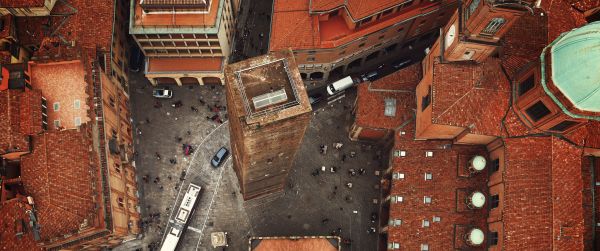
[194, 229]
[186, 174]
[212, 200]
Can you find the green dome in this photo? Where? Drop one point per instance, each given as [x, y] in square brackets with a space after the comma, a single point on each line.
[575, 59]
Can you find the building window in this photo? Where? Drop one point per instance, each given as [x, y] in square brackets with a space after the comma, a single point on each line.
[472, 7]
[563, 126]
[121, 202]
[381, 37]
[495, 166]
[494, 201]
[310, 59]
[493, 26]
[57, 124]
[77, 104]
[111, 101]
[361, 45]
[77, 121]
[492, 238]
[537, 111]
[526, 85]
[426, 100]
[56, 106]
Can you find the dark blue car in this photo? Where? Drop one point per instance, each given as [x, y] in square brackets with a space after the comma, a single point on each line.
[219, 157]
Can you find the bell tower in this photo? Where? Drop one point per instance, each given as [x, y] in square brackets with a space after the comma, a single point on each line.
[475, 29]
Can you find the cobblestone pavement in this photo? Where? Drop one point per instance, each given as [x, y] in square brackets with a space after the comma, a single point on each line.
[300, 210]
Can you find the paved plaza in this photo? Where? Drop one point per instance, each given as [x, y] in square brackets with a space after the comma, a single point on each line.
[310, 205]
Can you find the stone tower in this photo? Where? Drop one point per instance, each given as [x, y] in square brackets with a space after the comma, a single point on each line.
[269, 112]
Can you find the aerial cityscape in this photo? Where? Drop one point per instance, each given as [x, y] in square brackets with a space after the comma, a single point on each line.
[299, 125]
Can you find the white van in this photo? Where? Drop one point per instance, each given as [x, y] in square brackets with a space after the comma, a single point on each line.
[341, 85]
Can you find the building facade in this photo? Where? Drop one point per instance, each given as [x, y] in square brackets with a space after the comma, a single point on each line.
[332, 39]
[269, 112]
[184, 42]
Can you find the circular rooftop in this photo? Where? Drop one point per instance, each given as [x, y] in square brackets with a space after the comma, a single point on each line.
[576, 66]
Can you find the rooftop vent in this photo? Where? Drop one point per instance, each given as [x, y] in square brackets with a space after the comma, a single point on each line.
[269, 98]
[474, 237]
[477, 164]
[476, 200]
[393, 245]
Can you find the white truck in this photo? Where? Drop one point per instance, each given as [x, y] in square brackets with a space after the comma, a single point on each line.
[341, 84]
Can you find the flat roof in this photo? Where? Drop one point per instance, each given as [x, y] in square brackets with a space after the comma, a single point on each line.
[266, 78]
[165, 65]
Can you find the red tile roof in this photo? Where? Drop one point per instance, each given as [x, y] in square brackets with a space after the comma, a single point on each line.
[13, 212]
[446, 189]
[358, 8]
[58, 175]
[561, 18]
[21, 3]
[371, 99]
[543, 195]
[405, 79]
[584, 5]
[31, 112]
[63, 83]
[470, 95]
[11, 137]
[297, 29]
[290, 5]
[82, 27]
[293, 29]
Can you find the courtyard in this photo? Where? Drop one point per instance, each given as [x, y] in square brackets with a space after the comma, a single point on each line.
[314, 202]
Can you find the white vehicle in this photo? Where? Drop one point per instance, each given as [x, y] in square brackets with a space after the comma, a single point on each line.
[162, 93]
[341, 85]
[183, 213]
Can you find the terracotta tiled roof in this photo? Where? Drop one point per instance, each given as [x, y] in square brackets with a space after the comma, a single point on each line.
[584, 5]
[62, 83]
[446, 189]
[561, 18]
[21, 3]
[371, 107]
[57, 174]
[358, 8]
[543, 195]
[11, 137]
[587, 135]
[82, 27]
[371, 96]
[524, 41]
[293, 29]
[470, 95]
[405, 79]
[31, 112]
[325, 5]
[13, 212]
[290, 5]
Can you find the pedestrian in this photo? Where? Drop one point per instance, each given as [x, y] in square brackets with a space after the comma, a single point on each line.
[362, 171]
[169, 177]
[157, 155]
[179, 139]
[343, 157]
[189, 133]
[324, 221]
[147, 121]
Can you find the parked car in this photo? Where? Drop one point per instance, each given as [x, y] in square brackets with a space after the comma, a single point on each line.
[219, 157]
[315, 98]
[162, 93]
[370, 76]
[401, 64]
